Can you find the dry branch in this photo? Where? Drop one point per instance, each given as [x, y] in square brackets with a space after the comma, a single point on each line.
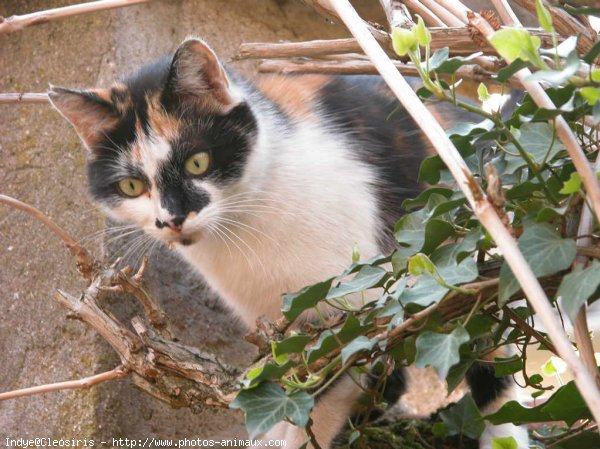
[361, 67]
[428, 16]
[79, 384]
[9, 98]
[458, 39]
[483, 209]
[16, 22]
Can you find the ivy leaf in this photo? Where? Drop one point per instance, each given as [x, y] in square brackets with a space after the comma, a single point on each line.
[545, 251]
[367, 277]
[590, 94]
[266, 372]
[584, 439]
[504, 442]
[536, 139]
[577, 287]
[404, 41]
[557, 77]
[328, 341]
[513, 43]
[507, 366]
[566, 404]
[361, 343]
[267, 404]
[438, 58]
[440, 351]
[294, 344]
[482, 92]
[505, 73]
[422, 33]
[463, 418]
[296, 303]
[427, 290]
[545, 19]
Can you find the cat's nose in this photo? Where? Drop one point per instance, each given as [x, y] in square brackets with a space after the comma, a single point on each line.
[175, 223]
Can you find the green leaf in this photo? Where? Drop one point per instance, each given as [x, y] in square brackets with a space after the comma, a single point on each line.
[482, 92]
[566, 404]
[505, 442]
[268, 404]
[463, 418]
[545, 19]
[536, 139]
[296, 303]
[404, 41]
[440, 351]
[361, 343]
[507, 366]
[423, 198]
[557, 77]
[427, 290]
[421, 264]
[291, 345]
[513, 43]
[266, 372]
[545, 251]
[590, 94]
[328, 341]
[577, 287]
[367, 277]
[422, 33]
[438, 58]
[505, 73]
[587, 439]
[572, 185]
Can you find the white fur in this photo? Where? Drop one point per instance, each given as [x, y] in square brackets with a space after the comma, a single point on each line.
[519, 433]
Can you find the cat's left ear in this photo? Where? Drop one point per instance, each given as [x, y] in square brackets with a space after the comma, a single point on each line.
[91, 112]
[197, 76]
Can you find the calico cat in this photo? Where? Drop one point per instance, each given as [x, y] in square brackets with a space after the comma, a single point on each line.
[263, 188]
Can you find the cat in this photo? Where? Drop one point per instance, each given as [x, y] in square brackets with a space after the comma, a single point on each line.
[263, 188]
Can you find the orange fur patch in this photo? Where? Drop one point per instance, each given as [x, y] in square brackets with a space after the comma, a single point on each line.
[295, 95]
[162, 123]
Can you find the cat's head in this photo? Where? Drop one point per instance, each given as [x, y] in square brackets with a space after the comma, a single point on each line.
[167, 144]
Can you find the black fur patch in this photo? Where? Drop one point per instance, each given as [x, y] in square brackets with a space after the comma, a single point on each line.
[485, 386]
[387, 139]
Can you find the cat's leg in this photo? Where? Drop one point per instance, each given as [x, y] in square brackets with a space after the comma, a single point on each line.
[490, 393]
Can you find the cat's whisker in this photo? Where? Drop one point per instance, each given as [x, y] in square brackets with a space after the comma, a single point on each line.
[252, 228]
[215, 231]
[258, 259]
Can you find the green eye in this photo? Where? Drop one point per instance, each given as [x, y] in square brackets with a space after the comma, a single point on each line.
[131, 187]
[197, 164]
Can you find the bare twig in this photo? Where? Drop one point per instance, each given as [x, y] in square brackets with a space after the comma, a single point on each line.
[16, 23]
[87, 382]
[582, 332]
[458, 39]
[397, 14]
[85, 262]
[448, 18]
[428, 16]
[360, 67]
[9, 98]
[482, 208]
[506, 13]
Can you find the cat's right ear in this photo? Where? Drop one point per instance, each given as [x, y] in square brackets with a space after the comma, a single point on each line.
[91, 112]
[196, 76]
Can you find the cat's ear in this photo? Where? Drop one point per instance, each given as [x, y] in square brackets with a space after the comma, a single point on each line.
[91, 112]
[197, 75]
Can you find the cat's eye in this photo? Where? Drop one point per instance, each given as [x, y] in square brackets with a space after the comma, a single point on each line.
[197, 164]
[131, 187]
